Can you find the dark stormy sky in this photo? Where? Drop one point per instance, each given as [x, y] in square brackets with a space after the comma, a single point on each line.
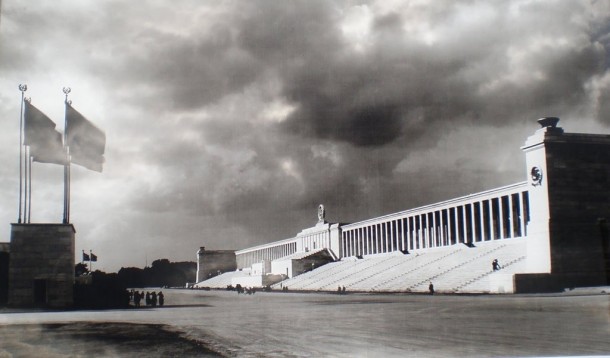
[228, 122]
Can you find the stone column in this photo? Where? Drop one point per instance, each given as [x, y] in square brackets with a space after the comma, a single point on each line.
[432, 229]
[402, 244]
[357, 242]
[362, 240]
[348, 239]
[426, 230]
[501, 217]
[443, 232]
[455, 236]
[365, 240]
[375, 238]
[389, 236]
[481, 221]
[449, 228]
[511, 224]
[384, 236]
[492, 235]
[369, 231]
[522, 214]
[416, 232]
[408, 228]
[473, 230]
[464, 224]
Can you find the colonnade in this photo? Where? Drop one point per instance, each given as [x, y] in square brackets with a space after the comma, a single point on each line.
[315, 241]
[497, 214]
[276, 250]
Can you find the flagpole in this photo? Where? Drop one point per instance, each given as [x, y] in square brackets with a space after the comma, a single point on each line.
[26, 176]
[22, 88]
[30, 189]
[69, 189]
[90, 260]
[66, 218]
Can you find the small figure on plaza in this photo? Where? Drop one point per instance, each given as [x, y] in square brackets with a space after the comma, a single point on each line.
[137, 297]
[431, 288]
[161, 298]
[495, 265]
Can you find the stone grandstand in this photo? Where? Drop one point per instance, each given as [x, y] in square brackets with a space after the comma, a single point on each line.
[458, 269]
[547, 233]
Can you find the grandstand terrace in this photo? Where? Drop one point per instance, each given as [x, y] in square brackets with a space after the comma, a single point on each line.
[548, 232]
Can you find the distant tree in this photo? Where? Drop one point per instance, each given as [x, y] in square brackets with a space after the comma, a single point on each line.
[161, 273]
[189, 269]
[161, 265]
[131, 276]
[103, 291]
[80, 269]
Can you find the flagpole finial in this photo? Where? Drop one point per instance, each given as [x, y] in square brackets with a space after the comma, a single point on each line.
[23, 87]
[66, 91]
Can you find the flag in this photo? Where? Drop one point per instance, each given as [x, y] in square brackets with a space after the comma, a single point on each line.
[93, 257]
[86, 257]
[39, 133]
[85, 140]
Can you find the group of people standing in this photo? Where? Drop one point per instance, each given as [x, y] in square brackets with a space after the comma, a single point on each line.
[150, 298]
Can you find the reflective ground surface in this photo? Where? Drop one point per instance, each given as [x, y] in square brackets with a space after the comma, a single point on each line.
[209, 323]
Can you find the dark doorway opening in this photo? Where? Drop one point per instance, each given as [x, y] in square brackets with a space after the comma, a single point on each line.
[4, 257]
[605, 238]
[40, 292]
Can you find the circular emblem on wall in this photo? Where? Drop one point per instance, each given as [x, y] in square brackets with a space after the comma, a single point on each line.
[536, 176]
[321, 213]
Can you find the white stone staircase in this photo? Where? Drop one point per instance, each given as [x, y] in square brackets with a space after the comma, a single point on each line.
[222, 280]
[454, 269]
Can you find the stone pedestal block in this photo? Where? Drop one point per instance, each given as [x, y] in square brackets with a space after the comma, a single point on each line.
[569, 177]
[41, 266]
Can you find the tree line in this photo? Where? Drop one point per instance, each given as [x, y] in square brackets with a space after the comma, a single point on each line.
[162, 273]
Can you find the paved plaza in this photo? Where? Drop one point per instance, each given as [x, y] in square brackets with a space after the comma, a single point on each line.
[222, 323]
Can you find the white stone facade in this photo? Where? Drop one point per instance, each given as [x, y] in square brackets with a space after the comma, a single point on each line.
[542, 211]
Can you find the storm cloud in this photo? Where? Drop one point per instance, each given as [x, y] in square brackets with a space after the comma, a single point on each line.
[228, 122]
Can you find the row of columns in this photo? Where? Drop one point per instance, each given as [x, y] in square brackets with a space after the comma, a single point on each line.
[495, 218]
[270, 253]
[316, 241]
[305, 243]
